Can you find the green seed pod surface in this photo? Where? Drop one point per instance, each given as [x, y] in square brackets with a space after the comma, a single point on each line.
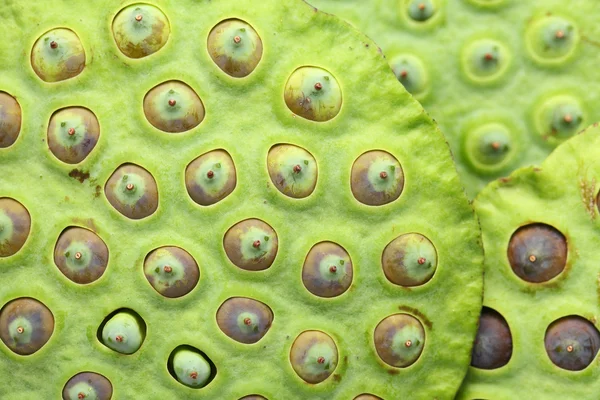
[72, 134]
[58, 55]
[235, 47]
[87, 386]
[140, 30]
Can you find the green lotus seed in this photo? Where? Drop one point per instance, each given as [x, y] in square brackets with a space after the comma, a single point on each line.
[191, 367]
[123, 332]
[366, 396]
[409, 260]
[25, 325]
[211, 177]
[171, 271]
[399, 340]
[173, 107]
[421, 10]
[10, 120]
[572, 342]
[244, 320]
[485, 60]
[81, 255]
[15, 224]
[537, 252]
[72, 134]
[327, 270]
[493, 345]
[293, 170]
[377, 178]
[235, 47]
[314, 356]
[140, 30]
[490, 148]
[551, 40]
[132, 191]
[87, 386]
[558, 118]
[58, 55]
[251, 245]
[411, 72]
[313, 93]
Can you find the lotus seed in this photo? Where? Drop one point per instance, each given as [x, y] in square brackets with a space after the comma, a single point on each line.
[15, 224]
[87, 385]
[211, 177]
[123, 332]
[304, 98]
[399, 340]
[244, 320]
[551, 40]
[579, 337]
[81, 255]
[173, 107]
[64, 59]
[171, 271]
[132, 191]
[74, 138]
[191, 367]
[320, 276]
[26, 325]
[369, 186]
[485, 60]
[493, 344]
[10, 120]
[140, 30]
[314, 356]
[243, 246]
[235, 47]
[285, 170]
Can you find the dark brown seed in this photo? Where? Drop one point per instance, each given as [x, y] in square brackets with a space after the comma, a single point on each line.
[314, 356]
[132, 191]
[244, 320]
[572, 342]
[25, 325]
[493, 343]
[87, 382]
[399, 340]
[171, 271]
[368, 182]
[327, 270]
[10, 119]
[15, 224]
[73, 133]
[81, 255]
[240, 243]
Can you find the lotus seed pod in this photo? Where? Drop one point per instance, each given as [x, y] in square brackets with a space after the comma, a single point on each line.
[253, 397]
[409, 260]
[87, 386]
[171, 271]
[10, 120]
[173, 107]
[493, 344]
[140, 30]
[124, 332]
[26, 325]
[411, 72]
[377, 178]
[244, 320]
[132, 191]
[211, 177]
[421, 10]
[81, 255]
[251, 244]
[313, 93]
[490, 148]
[15, 224]
[293, 170]
[191, 368]
[235, 47]
[314, 356]
[72, 134]
[551, 39]
[327, 270]
[399, 340]
[58, 55]
[539, 321]
[559, 118]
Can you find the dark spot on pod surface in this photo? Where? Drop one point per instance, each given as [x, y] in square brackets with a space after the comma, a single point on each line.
[235, 47]
[537, 252]
[327, 270]
[173, 107]
[132, 191]
[10, 120]
[92, 385]
[191, 367]
[367, 184]
[251, 244]
[26, 325]
[315, 102]
[211, 177]
[493, 343]
[409, 260]
[572, 342]
[244, 320]
[399, 340]
[73, 132]
[293, 170]
[314, 356]
[123, 331]
[81, 255]
[15, 224]
[58, 55]
[140, 30]
[171, 271]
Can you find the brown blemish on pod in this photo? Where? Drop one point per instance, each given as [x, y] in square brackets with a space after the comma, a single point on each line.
[251, 244]
[15, 224]
[26, 325]
[211, 177]
[327, 270]
[171, 271]
[399, 340]
[493, 343]
[10, 120]
[371, 187]
[99, 384]
[81, 255]
[314, 356]
[138, 202]
[244, 320]
[572, 342]
[73, 132]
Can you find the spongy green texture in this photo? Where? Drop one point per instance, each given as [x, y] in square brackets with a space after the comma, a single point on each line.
[245, 117]
[562, 193]
[513, 94]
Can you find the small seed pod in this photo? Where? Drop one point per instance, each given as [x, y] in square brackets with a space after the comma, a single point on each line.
[485, 60]
[211, 177]
[559, 118]
[411, 72]
[327, 270]
[251, 245]
[409, 260]
[87, 385]
[367, 396]
[173, 107]
[377, 178]
[572, 342]
[490, 148]
[81, 255]
[399, 340]
[10, 120]
[293, 170]
[123, 331]
[493, 343]
[58, 55]
[191, 367]
[421, 10]
[235, 47]
[551, 40]
[25, 325]
[314, 356]
[537, 252]
[132, 191]
[72, 134]
[253, 397]
[140, 30]
[171, 271]
[244, 320]
[15, 224]
[313, 93]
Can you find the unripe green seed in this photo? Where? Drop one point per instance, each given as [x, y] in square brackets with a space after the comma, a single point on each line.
[10, 120]
[87, 386]
[327, 270]
[313, 93]
[235, 47]
[572, 342]
[377, 178]
[485, 60]
[293, 170]
[173, 107]
[15, 224]
[171, 271]
[132, 191]
[140, 30]
[490, 148]
[123, 332]
[551, 39]
[244, 320]
[72, 134]
[399, 340]
[58, 55]
[559, 118]
[314, 356]
[421, 10]
[251, 244]
[493, 344]
[211, 177]
[191, 367]
[81, 255]
[409, 260]
[26, 325]
[411, 72]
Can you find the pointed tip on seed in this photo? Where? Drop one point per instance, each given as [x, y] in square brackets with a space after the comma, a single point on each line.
[53, 45]
[488, 56]
[568, 118]
[333, 269]
[532, 258]
[77, 255]
[422, 6]
[20, 329]
[168, 269]
[119, 338]
[560, 34]
[321, 360]
[318, 86]
[408, 343]
[570, 348]
[210, 174]
[237, 39]
[297, 168]
[139, 17]
[403, 74]
[383, 175]
[421, 260]
[256, 244]
[247, 321]
[81, 395]
[172, 102]
[130, 186]
[194, 375]
[495, 145]
[71, 131]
